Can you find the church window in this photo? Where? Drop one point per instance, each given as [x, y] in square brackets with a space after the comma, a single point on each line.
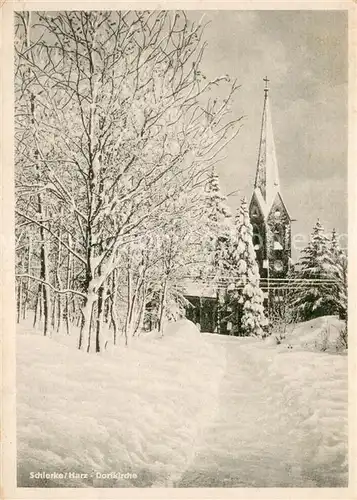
[257, 243]
[255, 212]
[277, 214]
[278, 239]
[278, 265]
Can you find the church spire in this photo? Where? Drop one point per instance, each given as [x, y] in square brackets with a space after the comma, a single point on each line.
[268, 214]
[267, 175]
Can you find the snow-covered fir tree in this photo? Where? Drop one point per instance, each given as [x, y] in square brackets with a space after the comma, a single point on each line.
[217, 208]
[334, 245]
[316, 265]
[246, 295]
[218, 242]
[220, 229]
[339, 273]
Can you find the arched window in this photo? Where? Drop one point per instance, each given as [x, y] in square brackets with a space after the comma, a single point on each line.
[278, 238]
[254, 212]
[257, 238]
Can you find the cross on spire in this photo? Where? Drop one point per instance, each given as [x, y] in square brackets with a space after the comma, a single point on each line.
[266, 88]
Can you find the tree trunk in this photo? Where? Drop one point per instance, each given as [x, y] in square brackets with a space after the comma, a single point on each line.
[20, 293]
[129, 299]
[91, 297]
[132, 312]
[19, 299]
[40, 303]
[99, 319]
[86, 323]
[69, 277]
[40, 212]
[43, 276]
[58, 300]
[59, 312]
[219, 310]
[113, 305]
[27, 292]
[162, 308]
[106, 304]
[53, 310]
[37, 304]
[139, 325]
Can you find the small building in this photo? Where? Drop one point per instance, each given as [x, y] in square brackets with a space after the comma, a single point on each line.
[202, 305]
[207, 308]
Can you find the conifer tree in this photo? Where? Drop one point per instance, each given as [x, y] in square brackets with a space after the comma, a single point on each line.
[247, 296]
[338, 291]
[316, 265]
[217, 208]
[334, 245]
[218, 242]
[219, 223]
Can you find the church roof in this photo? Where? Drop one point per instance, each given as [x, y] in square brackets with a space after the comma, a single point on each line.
[267, 176]
[261, 202]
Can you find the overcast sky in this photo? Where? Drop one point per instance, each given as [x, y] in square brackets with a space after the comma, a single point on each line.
[304, 54]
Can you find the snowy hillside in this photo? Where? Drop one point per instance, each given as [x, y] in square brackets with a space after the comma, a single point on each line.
[188, 410]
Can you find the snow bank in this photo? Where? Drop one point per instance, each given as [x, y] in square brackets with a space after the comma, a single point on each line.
[317, 388]
[282, 420]
[136, 411]
[319, 334]
[314, 388]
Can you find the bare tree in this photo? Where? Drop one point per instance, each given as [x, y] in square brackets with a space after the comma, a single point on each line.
[122, 126]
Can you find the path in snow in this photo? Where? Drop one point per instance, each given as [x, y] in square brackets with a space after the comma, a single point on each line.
[260, 436]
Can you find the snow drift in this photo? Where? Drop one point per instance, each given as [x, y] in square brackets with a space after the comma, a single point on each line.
[136, 411]
[282, 421]
[186, 410]
[310, 371]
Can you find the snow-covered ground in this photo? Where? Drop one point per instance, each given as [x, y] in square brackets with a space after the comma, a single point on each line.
[320, 334]
[137, 410]
[282, 421]
[188, 410]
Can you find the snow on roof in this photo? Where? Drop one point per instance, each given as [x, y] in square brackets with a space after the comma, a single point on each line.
[199, 290]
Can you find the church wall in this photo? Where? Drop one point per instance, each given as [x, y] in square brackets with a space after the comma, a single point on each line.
[278, 230]
[259, 233]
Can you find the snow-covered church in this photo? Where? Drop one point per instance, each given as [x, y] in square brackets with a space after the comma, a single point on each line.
[271, 224]
[268, 213]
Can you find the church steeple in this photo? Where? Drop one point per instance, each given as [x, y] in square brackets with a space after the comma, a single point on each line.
[267, 174]
[268, 214]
